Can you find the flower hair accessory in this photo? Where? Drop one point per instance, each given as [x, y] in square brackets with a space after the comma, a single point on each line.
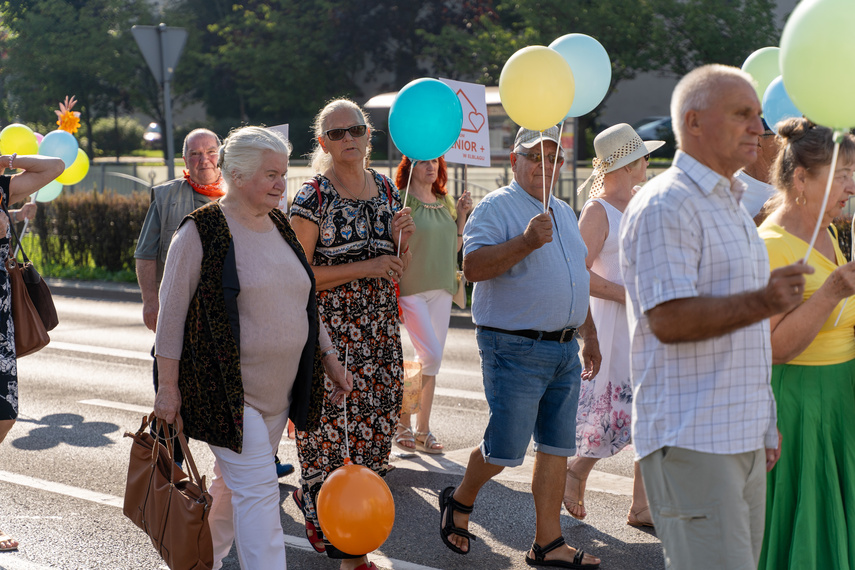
[68, 120]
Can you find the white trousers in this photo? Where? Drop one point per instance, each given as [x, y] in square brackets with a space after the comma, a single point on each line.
[245, 494]
[426, 316]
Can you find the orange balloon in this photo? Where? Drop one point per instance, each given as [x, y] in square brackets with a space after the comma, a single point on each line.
[355, 509]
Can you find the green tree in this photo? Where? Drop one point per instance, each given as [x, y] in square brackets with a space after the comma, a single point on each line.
[56, 48]
[714, 31]
[666, 36]
[281, 60]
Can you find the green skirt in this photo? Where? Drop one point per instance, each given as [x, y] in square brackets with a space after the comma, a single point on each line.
[810, 500]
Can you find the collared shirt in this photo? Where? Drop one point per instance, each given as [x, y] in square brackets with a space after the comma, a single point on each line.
[757, 193]
[548, 289]
[170, 204]
[686, 235]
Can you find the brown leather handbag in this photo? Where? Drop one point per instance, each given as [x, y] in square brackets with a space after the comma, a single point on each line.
[171, 508]
[33, 310]
[30, 332]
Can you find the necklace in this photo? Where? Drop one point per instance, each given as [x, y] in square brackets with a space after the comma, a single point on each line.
[352, 194]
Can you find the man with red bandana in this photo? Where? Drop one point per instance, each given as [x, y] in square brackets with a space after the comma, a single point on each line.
[170, 203]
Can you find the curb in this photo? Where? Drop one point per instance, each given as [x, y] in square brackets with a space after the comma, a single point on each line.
[105, 290]
[129, 293]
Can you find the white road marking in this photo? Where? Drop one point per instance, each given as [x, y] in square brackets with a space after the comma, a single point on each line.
[112, 501]
[11, 561]
[118, 406]
[59, 488]
[100, 350]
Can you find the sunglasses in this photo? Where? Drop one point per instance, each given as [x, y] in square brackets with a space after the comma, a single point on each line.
[355, 131]
[646, 158]
[536, 157]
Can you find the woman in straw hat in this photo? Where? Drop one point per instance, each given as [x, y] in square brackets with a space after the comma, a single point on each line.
[603, 420]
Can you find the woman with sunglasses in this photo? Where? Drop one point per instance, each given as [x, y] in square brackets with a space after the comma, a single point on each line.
[429, 283]
[603, 421]
[352, 226]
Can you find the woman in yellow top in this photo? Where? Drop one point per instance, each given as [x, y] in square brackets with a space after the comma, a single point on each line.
[810, 505]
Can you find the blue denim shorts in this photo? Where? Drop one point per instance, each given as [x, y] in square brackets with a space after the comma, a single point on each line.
[532, 388]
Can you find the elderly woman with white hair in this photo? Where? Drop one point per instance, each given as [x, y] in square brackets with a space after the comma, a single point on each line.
[352, 225]
[603, 420]
[239, 343]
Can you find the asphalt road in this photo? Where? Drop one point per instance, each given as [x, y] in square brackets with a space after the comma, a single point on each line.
[63, 466]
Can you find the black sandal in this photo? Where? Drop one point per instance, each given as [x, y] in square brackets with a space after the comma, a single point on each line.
[447, 507]
[540, 557]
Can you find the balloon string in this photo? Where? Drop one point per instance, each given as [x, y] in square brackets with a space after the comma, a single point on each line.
[344, 407]
[824, 200]
[555, 164]
[543, 170]
[406, 196]
[26, 224]
[851, 258]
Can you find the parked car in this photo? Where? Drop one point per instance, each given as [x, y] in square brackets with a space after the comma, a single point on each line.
[152, 136]
[659, 129]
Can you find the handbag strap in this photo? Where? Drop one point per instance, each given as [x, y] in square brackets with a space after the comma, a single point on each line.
[15, 234]
[178, 426]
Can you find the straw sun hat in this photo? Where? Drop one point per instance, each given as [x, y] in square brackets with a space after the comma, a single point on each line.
[616, 147]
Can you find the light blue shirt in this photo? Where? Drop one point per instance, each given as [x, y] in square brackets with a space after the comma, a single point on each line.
[548, 289]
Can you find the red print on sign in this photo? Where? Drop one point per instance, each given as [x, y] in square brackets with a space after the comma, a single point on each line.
[474, 119]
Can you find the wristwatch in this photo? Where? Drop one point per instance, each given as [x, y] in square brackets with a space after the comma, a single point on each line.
[329, 351]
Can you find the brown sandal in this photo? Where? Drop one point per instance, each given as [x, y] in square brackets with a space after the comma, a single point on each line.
[633, 520]
[571, 504]
[7, 543]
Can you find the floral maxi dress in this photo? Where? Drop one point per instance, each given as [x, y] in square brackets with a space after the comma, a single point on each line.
[361, 316]
[604, 422]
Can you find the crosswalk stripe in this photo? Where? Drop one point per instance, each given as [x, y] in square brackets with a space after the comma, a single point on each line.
[112, 501]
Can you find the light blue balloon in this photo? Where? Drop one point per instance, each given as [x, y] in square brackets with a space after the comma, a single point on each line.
[60, 144]
[591, 67]
[777, 105]
[425, 119]
[49, 191]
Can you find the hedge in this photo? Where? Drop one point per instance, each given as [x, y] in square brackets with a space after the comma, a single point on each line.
[94, 228]
[101, 229]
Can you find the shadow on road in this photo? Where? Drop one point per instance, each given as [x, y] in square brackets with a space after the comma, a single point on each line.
[71, 429]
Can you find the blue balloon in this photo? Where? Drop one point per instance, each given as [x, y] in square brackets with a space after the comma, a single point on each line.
[49, 191]
[425, 119]
[60, 144]
[777, 104]
[591, 67]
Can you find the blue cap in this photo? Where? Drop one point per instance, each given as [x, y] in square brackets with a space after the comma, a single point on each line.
[765, 124]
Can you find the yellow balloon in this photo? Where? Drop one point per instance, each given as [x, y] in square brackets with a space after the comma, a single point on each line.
[536, 87]
[18, 138]
[77, 171]
[763, 66]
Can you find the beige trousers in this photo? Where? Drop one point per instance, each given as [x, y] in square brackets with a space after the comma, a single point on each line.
[709, 509]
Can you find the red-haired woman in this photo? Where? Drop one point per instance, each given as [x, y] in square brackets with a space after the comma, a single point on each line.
[429, 283]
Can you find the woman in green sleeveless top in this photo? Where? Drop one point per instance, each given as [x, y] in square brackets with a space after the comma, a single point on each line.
[429, 283]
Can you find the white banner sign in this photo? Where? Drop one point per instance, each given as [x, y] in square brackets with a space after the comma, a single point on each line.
[473, 144]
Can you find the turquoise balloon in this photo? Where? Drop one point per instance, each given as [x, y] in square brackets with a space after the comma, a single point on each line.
[777, 105]
[425, 119]
[49, 191]
[591, 67]
[818, 62]
[60, 144]
[763, 67]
